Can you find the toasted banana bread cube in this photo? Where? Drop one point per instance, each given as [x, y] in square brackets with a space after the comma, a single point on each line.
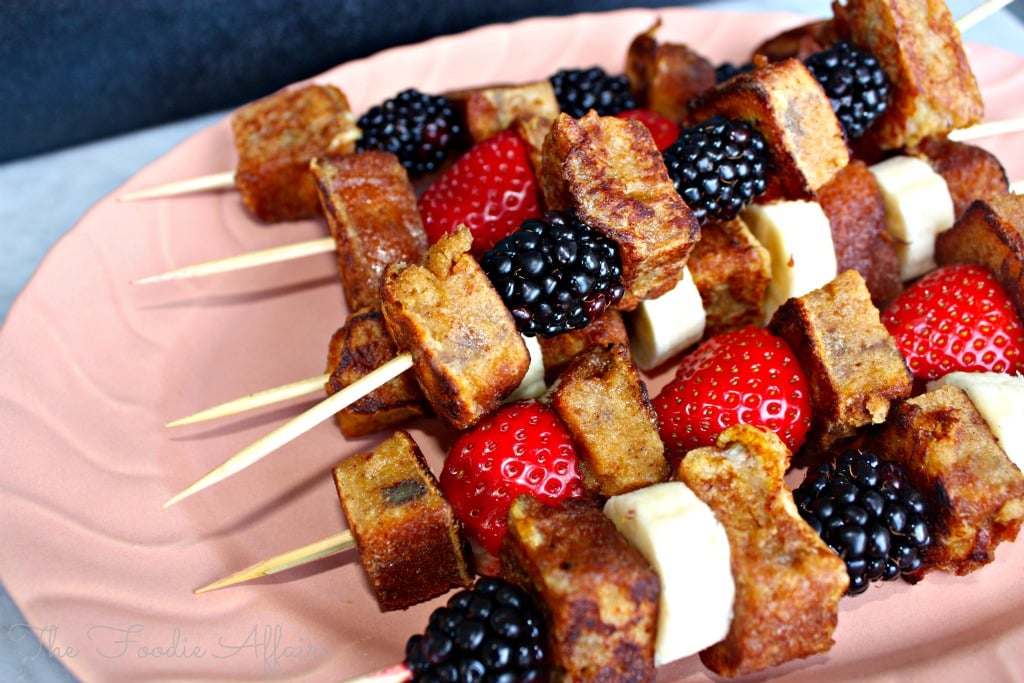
[534, 130]
[603, 402]
[371, 212]
[491, 109]
[970, 172]
[934, 91]
[356, 349]
[731, 270]
[664, 77]
[799, 42]
[559, 350]
[410, 544]
[467, 353]
[850, 359]
[788, 581]
[598, 594]
[277, 136]
[609, 171]
[784, 102]
[990, 234]
[974, 493]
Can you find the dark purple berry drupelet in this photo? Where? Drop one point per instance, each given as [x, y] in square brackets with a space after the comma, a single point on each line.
[867, 511]
[580, 90]
[855, 84]
[421, 130]
[718, 167]
[555, 274]
[727, 70]
[491, 633]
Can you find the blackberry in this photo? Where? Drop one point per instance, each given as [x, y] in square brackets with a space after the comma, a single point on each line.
[855, 84]
[492, 632]
[867, 511]
[727, 70]
[555, 274]
[420, 129]
[718, 167]
[580, 90]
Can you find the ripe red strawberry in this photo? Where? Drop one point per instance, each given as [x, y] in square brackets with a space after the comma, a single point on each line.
[747, 376]
[521, 448]
[491, 189]
[663, 129]
[957, 317]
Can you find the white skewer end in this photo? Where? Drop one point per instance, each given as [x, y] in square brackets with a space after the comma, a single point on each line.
[256, 400]
[980, 13]
[988, 129]
[396, 673]
[206, 183]
[298, 426]
[332, 545]
[251, 260]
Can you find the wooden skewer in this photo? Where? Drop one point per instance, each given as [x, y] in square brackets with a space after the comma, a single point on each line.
[326, 547]
[988, 129]
[207, 183]
[396, 673]
[287, 252]
[256, 400]
[299, 425]
[980, 13]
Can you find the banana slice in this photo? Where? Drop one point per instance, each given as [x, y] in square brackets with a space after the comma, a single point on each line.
[1000, 400]
[533, 384]
[798, 236]
[688, 547]
[917, 208]
[665, 326]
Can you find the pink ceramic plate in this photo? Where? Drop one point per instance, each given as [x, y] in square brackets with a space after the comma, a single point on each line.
[93, 367]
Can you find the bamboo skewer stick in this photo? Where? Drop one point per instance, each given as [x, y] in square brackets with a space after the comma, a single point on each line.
[988, 129]
[267, 397]
[980, 13]
[318, 550]
[322, 245]
[396, 673]
[299, 425]
[224, 180]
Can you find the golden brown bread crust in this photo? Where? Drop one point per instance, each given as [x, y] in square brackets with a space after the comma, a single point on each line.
[850, 359]
[604, 404]
[356, 349]
[731, 270]
[787, 105]
[970, 172]
[862, 242]
[799, 42]
[560, 349]
[371, 212]
[934, 91]
[788, 582]
[610, 172]
[277, 136]
[491, 109]
[534, 130]
[975, 494]
[598, 594]
[990, 234]
[664, 77]
[398, 517]
[467, 353]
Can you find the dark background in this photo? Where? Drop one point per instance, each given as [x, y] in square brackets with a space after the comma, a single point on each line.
[77, 70]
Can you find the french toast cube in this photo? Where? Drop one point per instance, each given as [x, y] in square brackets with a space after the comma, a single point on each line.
[410, 544]
[604, 404]
[491, 109]
[851, 362]
[974, 493]
[991, 234]
[799, 42]
[598, 594]
[731, 270]
[917, 43]
[467, 353]
[356, 349]
[609, 171]
[788, 581]
[559, 350]
[533, 130]
[664, 77]
[370, 206]
[783, 102]
[277, 136]
[970, 172]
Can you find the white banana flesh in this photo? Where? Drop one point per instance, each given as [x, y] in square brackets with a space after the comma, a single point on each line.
[688, 548]
[798, 236]
[918, 207]
[665, 326]
[1000, 400]
[533, 384]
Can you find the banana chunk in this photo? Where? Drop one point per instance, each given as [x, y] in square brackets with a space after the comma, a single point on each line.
[533, 384]
[688, 548]
[918, 207]
[665, 326]
[1000, 400]
[798, 236]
